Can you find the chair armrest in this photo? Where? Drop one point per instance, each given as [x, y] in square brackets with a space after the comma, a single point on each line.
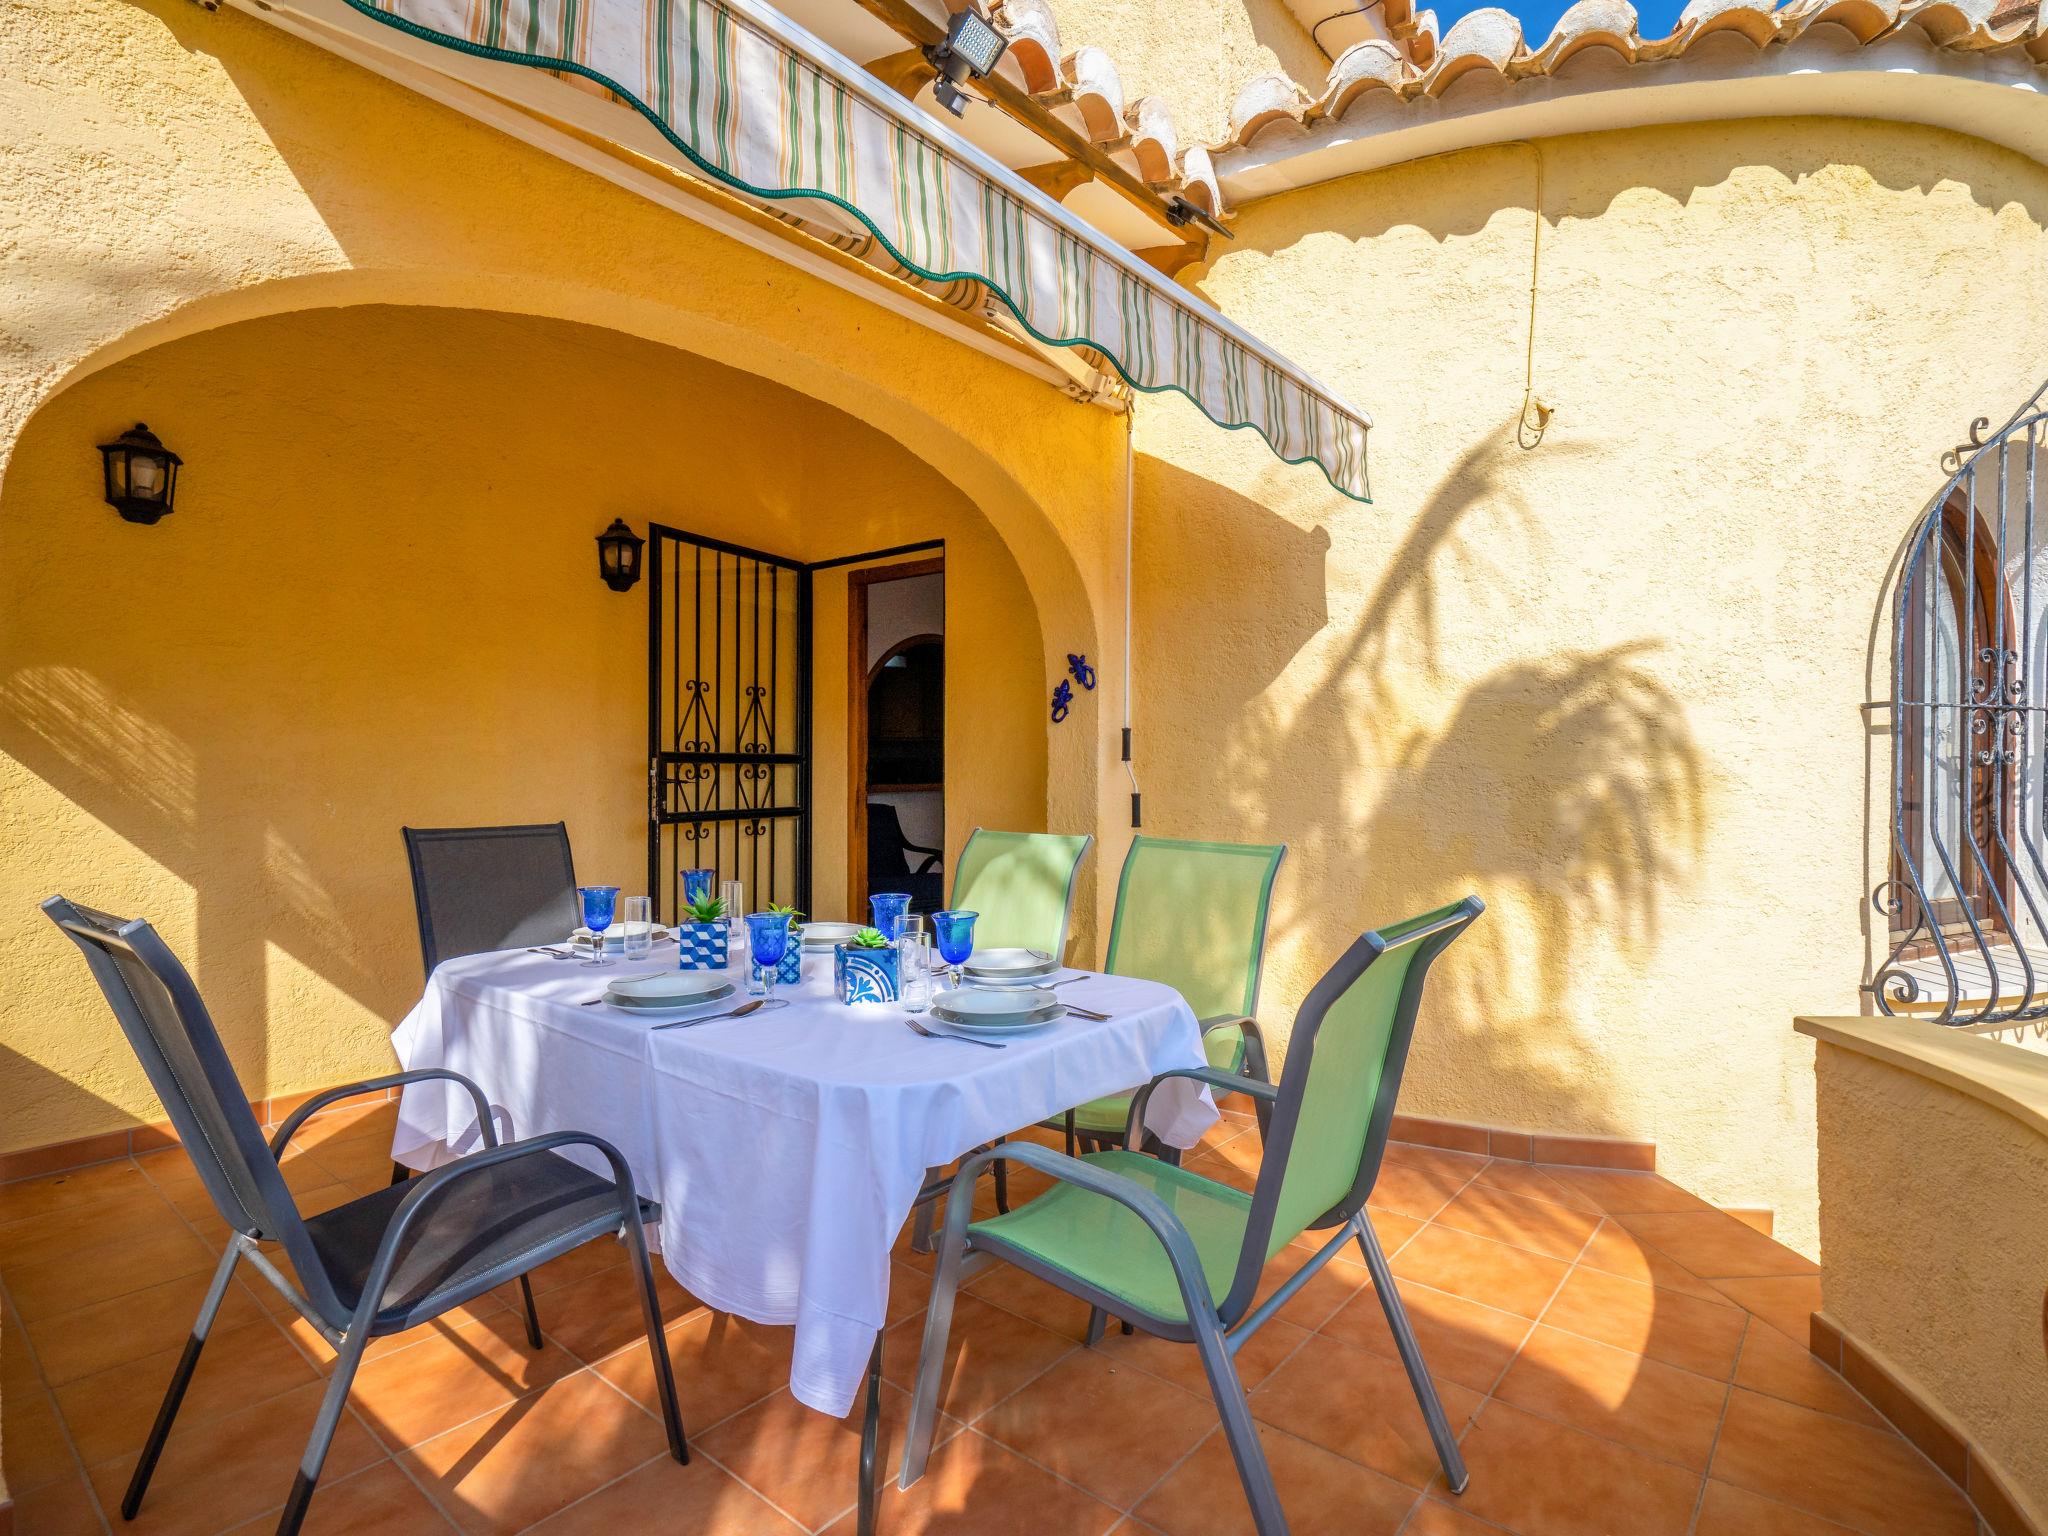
[1255, 1063]
[1214, 1077]
[427, 1187]
[320, 1101]
[1146, 1206]
[929, 864]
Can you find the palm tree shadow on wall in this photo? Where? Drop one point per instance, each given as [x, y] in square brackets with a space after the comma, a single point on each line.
[1564, 786]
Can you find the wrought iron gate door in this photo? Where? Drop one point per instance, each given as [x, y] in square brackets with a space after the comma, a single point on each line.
[729, 719]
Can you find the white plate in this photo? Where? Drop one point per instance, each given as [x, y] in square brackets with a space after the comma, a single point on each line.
[1009, 964]
[615, 936]
[717, 994]
[993, 1003]
[967, 1024]
[668, 988]
[825, 935]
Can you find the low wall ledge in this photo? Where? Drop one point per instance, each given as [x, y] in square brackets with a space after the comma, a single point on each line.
[2007, 1079]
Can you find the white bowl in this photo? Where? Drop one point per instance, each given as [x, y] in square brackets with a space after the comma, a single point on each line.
[979, 1003]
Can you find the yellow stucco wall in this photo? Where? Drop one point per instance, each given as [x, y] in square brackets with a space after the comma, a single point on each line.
[377, 605]
[1194, 58]
[1934, 1218]
[222, 721]
[1612, 683]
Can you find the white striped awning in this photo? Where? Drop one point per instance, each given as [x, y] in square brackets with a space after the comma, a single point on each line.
[758, 106]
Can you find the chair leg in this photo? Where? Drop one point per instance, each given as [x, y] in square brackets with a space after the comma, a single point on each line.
[657, 1342]
[1002, 1187]
[400, 1173]
[922, 1218]
[532, 1314]
[1070, 1133]
[1433, 1415]
[324, 1425]
[1239, 1431]
[181, 1378]
[1098, 1320]
[870, 1440]
[931, 1363]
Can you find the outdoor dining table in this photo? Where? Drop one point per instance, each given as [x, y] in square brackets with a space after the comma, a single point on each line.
[787, 1149]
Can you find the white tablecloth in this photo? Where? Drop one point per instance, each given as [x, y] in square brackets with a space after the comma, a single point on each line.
[786, 1149]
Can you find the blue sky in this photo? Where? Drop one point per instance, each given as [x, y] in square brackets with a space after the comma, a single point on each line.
[1539, 16]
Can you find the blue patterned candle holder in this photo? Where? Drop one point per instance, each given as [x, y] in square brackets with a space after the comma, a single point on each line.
[703, 946]
[864, 975]
[791, 969]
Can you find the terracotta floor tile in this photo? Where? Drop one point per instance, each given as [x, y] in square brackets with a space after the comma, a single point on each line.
[414, 1394]
[990, 1354]
[1417, 1193]
[1519, 1178]
[1786, 1302]
[380, 1499]
[374, 1119]
[139, 1214]
[975, 1487]
[1392, 1228]
[1358, 1404]
[234, 1467]
[1439, 1160]
[1774, 1365]
[806, 1464]
[77, 1191]
[1328, 1289]
[1715, 1246]
[502, 1472]
[1512, 1279]
[1015, 1290]
[722, 1364]
[662, 1496]
[321, 1352]
[1433, 1517]
[32, 1448]
[1616, 1192]
[1181, 1364]
[1541, 1226]
[122, 1264]
[600, 1314]
[1695, 1335]
[1866, 1478]
[62, 1508]
[910, 1289]
[1615, 1250]
[1223, 1171]
[1319, 1491]
[1462, 1340]
[109, 1412]
[1113, 1431]
[90, 1339]
[356, 1158]
[1648, 1406]
[1726, 1510]
[576, 1264]
[1543, 1479]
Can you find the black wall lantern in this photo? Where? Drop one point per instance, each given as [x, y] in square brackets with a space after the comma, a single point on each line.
[618, 555]
[142, 475]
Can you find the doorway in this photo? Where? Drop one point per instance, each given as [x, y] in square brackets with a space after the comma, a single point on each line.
[896, 712]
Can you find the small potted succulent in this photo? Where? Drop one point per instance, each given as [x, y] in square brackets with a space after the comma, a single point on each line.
[864, 968]
[702, 936]
[791, 970]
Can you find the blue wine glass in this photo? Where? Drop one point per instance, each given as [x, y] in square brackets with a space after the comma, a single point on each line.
[599, 902]
[768, 939]
[889, 907]
[955, 933]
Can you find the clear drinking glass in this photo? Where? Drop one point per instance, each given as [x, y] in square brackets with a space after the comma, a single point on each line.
[636, 936]
[734, 895]
[598, 903]
[913, 980]
[768, 941]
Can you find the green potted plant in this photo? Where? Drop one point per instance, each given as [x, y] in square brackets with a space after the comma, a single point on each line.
[702, 937]
[864, 969]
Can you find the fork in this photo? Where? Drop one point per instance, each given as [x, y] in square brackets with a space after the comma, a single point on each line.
[932, 1034]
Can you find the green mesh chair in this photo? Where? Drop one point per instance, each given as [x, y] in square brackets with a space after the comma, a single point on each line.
[1022, 884]
[1191, 915]
[1180, 1255]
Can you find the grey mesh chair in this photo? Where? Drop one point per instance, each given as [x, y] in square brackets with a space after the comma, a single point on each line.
[1181, 1256]
[379, 1264]
[484, 888]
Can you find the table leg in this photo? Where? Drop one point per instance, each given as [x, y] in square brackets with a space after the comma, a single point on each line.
[870, 1434]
